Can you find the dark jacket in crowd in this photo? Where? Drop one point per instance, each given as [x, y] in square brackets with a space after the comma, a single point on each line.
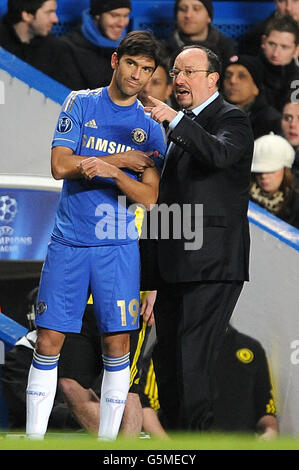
[295, 169]
[263, 117]
[292, 215]
[277, 81]
[222, 45]
[48, 54]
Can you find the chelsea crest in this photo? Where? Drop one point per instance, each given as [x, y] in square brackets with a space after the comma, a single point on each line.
[139, 136]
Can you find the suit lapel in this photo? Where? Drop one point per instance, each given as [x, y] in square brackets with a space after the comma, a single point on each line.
[206, 116]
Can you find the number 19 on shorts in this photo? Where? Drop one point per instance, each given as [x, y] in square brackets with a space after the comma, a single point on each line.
[132, 307]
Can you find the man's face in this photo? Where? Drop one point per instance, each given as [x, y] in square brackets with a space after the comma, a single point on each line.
[191, 92]
[290, 123]
[288, 7]
[113, 22]
[132, 73]
[238, 84]
[279, 47]
[192, 17]
[158, 87]
[44, 19]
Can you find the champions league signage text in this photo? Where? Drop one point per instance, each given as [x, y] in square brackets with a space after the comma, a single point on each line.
[8, 211]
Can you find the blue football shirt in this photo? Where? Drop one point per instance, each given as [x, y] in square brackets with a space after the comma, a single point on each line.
[95, 212]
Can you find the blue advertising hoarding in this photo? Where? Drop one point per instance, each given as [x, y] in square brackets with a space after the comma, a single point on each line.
[26, 222]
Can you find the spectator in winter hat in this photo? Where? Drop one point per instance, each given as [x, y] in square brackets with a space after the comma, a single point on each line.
[92, 43]
[193, 20]
[243, 87]
[273, 182]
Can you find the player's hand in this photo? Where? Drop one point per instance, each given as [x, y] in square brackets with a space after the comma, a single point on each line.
[93, 166]
[136, 160]
[159, 110]
[147, 308]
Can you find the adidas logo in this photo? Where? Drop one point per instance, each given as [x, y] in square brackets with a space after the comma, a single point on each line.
[92, 124]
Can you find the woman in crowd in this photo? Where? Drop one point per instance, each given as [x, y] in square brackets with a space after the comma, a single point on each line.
[272, 184]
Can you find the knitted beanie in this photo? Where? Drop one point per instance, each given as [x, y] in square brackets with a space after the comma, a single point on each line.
[207, 4]
[253, 66]
[97, 7]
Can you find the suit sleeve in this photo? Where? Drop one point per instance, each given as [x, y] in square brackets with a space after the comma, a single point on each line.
[230, 139]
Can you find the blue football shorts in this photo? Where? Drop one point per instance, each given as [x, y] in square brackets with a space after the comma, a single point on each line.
[111, 274]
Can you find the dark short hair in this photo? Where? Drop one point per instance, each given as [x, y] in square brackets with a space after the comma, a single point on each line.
[140, 43]
[16, 7]
[214, 63]
[165, 63]
[283, 24]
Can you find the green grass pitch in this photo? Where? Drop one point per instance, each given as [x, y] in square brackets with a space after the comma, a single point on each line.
[182, 441]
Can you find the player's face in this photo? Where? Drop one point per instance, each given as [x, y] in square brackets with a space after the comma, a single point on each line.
[288, 7]
[192, 18]
[239, 87]
[191, 92]
[113, 22]
[290, 123]
[279, 47]
[44, 19]
[132, 73]
[270, 182]
[157, 86]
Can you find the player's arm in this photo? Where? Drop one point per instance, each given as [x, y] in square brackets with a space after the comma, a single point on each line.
[65, 164]
[144, 192]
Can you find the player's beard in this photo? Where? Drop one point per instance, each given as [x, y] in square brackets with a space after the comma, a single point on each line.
[125, 89]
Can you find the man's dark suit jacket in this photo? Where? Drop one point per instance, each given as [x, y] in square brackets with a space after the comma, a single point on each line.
[210, 165]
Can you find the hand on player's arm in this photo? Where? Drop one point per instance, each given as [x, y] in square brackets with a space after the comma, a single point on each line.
[159, 110]
[94, 166]
[147, 308]
[144, 192]
[65, 164]
[135, 160]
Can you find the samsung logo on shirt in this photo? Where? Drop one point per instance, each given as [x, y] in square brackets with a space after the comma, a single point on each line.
[104, 145]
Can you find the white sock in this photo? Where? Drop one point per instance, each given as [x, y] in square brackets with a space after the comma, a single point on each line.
[114, 391]
[41, 390]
